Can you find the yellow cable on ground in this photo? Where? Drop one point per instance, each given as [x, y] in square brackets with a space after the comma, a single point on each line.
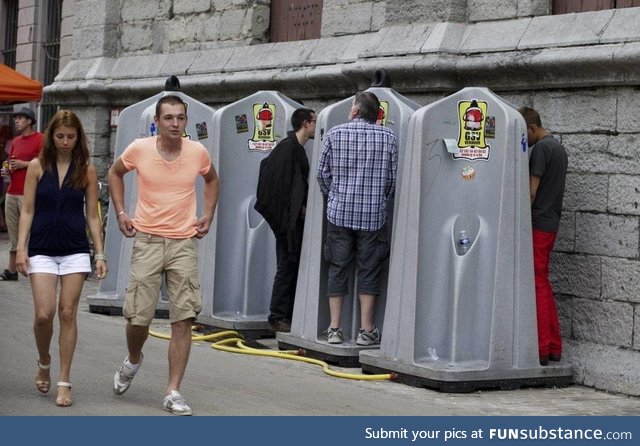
[232, 337]
[208, 337]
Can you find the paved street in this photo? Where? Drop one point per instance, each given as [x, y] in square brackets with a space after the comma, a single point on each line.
[219, 383]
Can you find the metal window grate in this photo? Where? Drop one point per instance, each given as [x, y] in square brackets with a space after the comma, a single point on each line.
[295, 20]
[51, 46]
[10, 33]
[569, 6]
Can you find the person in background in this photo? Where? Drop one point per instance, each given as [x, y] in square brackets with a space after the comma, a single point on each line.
[25, 147]
[5, 146]
[281, 198]
[357, 174]
[165, 228]
[547, 171]
[61, 188]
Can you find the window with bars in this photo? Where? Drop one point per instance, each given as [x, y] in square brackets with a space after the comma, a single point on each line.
[295, 20]
[568, 6]
[51, 48]
[10, 33]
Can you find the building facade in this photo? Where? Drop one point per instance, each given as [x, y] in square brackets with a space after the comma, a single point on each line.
[580, 70]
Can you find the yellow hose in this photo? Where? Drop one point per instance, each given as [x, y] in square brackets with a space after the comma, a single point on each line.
[232, 337]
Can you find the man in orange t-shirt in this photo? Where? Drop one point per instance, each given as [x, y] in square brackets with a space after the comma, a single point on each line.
[25, 147]
[165, 227]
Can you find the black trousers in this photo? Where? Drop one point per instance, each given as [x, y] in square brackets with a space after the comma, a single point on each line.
[284, 282]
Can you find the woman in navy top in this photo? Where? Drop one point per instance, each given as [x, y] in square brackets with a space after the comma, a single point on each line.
[60, 189]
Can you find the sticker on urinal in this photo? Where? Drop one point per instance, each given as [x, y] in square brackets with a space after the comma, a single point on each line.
[383, 112]
[472, 117]
[451, 145]
[468, 173]
[242, 125]
[201, 130]
[264, 116]
[490, 131]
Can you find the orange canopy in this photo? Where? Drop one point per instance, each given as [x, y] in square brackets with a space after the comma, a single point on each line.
[16, 87]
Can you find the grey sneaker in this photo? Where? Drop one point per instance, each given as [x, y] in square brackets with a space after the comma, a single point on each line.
[123, 377]
[175, 403]
[334, 335]
[368, 337]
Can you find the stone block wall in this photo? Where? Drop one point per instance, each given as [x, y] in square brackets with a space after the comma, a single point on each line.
[490, 10]
[95, 29]
[28, 38]
[161, 26]
[348, 17]
[66, 33]
[169, 26]
[595, 268]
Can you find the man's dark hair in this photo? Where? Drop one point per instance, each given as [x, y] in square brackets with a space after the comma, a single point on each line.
[172, 100]
[367, 105]
[530, 116]
[299, 116]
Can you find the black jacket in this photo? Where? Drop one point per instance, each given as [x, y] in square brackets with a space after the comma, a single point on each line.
[282, 189]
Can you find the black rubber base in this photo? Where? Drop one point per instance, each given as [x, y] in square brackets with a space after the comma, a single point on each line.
[339, 360]
[472, 386]
[117, 311]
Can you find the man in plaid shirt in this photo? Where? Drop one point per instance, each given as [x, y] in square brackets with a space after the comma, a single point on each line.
[357, 174]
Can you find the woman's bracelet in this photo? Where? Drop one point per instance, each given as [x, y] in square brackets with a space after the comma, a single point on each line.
[100, 257]
[120, 213]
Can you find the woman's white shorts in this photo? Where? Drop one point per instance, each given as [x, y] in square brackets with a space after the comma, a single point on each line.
[60, 265]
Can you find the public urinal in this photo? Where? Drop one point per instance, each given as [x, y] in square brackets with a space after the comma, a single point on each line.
[136, 121]
[461, 311]
[237, 273]
[311, 309]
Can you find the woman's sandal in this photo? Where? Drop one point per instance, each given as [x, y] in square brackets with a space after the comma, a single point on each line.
[62, 401]
[41, 384]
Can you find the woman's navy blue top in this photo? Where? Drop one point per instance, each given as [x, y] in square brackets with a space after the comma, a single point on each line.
[59, 226]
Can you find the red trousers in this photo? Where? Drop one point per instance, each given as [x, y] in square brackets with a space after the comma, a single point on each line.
[549, 340]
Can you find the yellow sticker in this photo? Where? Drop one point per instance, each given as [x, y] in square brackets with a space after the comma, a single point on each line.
[472, 116]
[383, 112]
[264, 116]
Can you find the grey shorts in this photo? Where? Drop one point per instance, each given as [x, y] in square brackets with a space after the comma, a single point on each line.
[370, 248]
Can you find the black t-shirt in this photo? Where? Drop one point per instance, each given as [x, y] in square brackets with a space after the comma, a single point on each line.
[549, 162]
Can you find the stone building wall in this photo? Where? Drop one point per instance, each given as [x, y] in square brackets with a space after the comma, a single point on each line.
[29, 31]
[579, 70]
[166, 26]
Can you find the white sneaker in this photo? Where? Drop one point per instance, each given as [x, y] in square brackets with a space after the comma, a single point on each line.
[368, 337]
[175, 403]
[123, 377]
[334, 335]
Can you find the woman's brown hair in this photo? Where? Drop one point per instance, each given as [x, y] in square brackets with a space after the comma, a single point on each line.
[81, 155]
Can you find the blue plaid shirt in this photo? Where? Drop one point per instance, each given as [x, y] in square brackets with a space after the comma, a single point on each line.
[357, 173]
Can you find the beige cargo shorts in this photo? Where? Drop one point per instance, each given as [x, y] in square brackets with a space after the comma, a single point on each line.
[178, 260]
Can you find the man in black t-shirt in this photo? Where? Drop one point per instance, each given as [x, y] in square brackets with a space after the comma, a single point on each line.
[547, 171]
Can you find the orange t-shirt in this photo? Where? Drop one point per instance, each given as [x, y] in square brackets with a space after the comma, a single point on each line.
[166, 203]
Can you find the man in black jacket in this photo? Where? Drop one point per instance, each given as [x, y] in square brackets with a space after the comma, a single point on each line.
[281, 199]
